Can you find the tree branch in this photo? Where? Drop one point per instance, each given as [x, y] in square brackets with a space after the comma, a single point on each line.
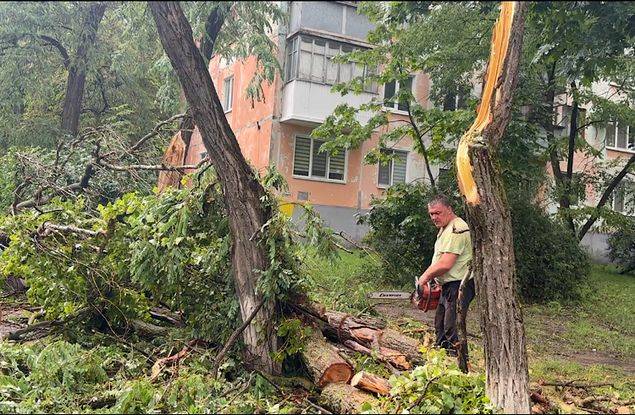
[66, 60]
[605, 197]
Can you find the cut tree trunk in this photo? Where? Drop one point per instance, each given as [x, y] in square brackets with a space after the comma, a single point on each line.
[507, 380]
[343, 398]
[371, 383]
[77, 70]
[324, 363]
[241, 189]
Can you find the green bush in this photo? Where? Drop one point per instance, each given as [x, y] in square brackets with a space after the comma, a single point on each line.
[549, 262]
[622, 247]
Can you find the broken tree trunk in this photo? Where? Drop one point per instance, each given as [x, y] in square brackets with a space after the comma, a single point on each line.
[324, 363]
[343, 398]
[242, 192]
[507, 380]
[371, 383]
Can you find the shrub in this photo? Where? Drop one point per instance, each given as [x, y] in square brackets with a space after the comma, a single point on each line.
[549, 262]
[622, 246]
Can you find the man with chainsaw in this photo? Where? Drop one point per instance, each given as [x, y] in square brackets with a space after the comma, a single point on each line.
[450, 264]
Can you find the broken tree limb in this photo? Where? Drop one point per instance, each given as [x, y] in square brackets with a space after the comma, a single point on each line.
[371, 383]
[234, 336]
[342, 398]
[324, 363]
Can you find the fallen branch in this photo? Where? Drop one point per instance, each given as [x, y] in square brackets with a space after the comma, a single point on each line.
[19, 334]
[575, 384]
[234, 336]
[423, 394]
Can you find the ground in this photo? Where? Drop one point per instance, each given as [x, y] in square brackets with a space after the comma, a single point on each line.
[592, 341]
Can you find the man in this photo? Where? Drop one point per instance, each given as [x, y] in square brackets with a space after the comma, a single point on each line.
[450, 264]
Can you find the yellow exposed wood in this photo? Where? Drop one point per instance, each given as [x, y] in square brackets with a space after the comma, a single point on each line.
[500, 44]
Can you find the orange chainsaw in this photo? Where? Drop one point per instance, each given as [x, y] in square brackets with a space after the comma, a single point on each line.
[424, 298]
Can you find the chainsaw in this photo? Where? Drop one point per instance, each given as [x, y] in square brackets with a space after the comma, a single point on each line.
[424, 298]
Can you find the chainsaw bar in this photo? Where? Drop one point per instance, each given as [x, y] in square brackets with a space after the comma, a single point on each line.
[389, 295]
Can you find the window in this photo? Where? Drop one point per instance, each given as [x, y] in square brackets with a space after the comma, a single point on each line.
[391, 89]
[203, 155]
[308, 161]
[394, 171]
[312, 59]
[228, 93]
[620, 136]
[623, 198]
[453, 101]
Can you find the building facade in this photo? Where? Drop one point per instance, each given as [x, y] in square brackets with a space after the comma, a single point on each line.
[276, 130]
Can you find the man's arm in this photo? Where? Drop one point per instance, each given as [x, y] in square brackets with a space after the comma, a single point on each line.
[443, 265]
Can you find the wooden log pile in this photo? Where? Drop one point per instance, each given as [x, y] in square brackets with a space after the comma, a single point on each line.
[342, 391]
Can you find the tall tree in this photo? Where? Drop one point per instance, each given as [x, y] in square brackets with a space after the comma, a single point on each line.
[507, 378]
[241, 188]
[78, 65]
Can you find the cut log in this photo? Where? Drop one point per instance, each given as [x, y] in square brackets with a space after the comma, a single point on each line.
[324, 363]
[371, 383]
[383, 354]
[369, 332]
[342, 398]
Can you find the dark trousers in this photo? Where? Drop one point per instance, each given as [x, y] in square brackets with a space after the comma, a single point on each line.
[445, 317]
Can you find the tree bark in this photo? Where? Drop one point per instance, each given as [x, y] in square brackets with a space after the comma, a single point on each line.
[343, 398]
[507, 380]
[77, 69]
[324, 363]
[241, 189]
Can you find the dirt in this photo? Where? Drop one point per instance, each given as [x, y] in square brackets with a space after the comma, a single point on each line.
[10, 313]
[396, 310]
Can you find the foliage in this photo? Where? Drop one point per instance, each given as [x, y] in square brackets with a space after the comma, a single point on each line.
[550, 264]
[622, 247]
[57, 376]
[436, 387]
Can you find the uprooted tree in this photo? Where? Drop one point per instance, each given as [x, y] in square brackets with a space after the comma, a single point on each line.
[488, 214]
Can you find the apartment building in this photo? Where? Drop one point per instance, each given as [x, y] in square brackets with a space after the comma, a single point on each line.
[615, 144]
[276, 131]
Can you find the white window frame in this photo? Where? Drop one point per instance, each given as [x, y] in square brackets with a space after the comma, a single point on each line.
[328, 164]
[228, 99]
[616, 126]
[395, 105]
[293, 57]
[392, 168]
[628, 197]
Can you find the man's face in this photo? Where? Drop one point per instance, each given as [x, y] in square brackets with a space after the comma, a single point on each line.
[441, 215]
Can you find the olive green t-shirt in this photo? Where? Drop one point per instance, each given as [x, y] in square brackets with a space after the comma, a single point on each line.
[454, 239]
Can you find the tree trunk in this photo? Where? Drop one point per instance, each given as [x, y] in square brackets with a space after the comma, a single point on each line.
[487, 210]
[77, 69]
[241, 189]
[343, 398]
[371, 383]
[324, 363]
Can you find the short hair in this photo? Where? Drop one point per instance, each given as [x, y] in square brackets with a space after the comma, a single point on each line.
[440, 199]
